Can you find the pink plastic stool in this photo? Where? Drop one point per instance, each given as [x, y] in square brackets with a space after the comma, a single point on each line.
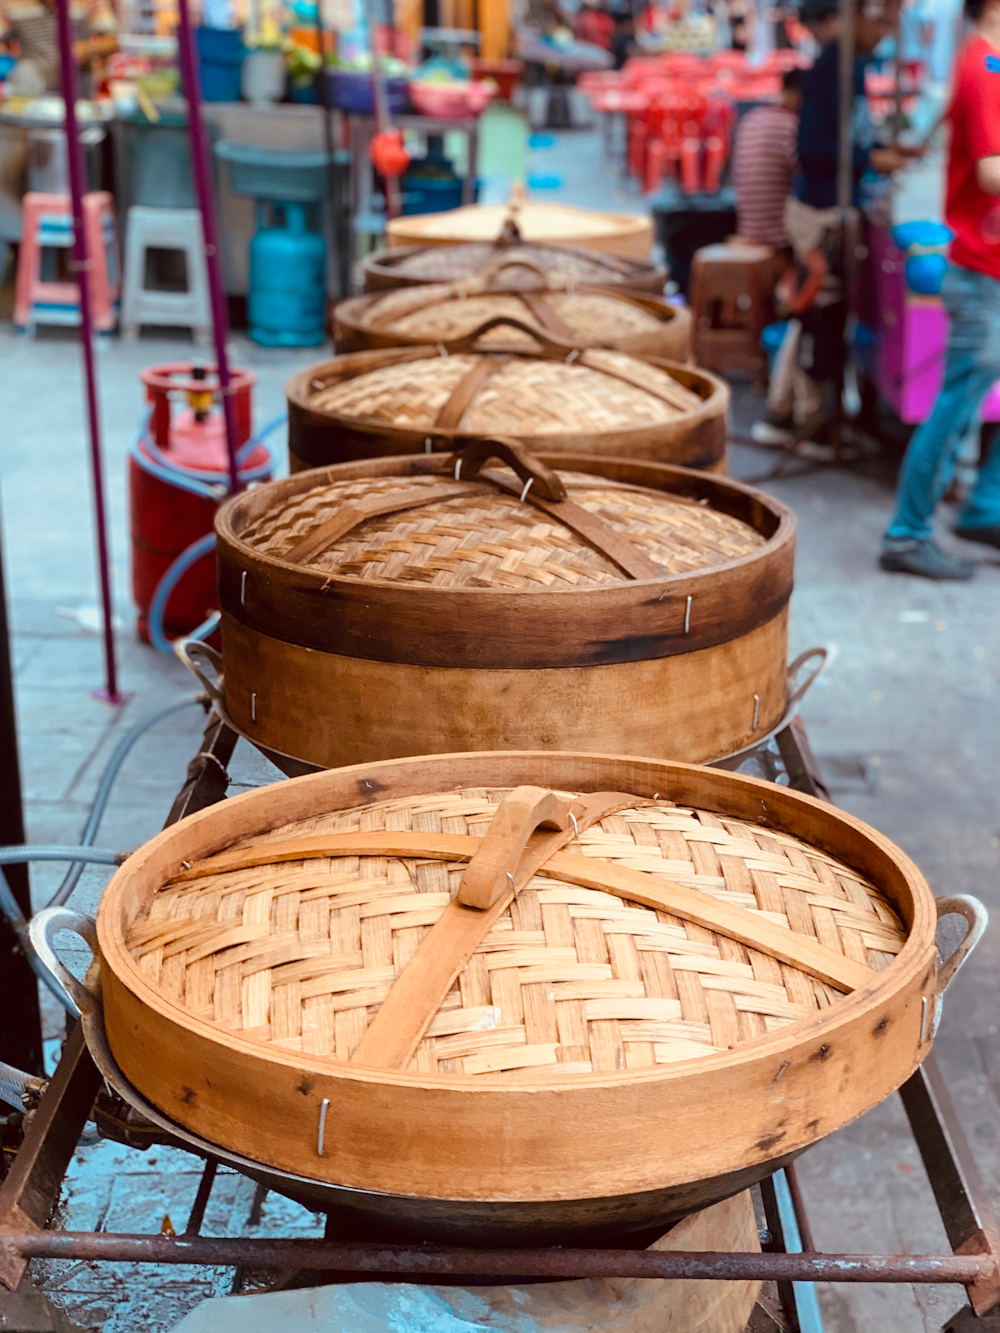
[47, 223]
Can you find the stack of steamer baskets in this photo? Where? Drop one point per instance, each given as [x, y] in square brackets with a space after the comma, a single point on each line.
[516, 989]
[557, 348]
[500, 599]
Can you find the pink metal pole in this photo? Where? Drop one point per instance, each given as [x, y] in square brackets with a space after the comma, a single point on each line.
[201, 169]
[81, 268]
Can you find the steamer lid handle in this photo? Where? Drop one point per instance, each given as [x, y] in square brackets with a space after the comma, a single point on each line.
[556, 347]
[493, 869]
[469, 462]
[480, 281]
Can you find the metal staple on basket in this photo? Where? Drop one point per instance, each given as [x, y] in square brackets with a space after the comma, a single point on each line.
[301, 954]
[492, 540]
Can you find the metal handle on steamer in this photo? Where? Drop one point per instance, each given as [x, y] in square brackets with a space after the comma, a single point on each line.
[47, 923]
[976, 918]
[796, 693]
[192, 653]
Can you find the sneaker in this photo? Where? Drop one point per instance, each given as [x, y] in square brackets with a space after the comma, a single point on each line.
[986, 535]
[774, 437]
[925, 558]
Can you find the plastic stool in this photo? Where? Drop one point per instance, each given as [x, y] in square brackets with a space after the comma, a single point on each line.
[47, 224]
[165, 229]
[731, 288]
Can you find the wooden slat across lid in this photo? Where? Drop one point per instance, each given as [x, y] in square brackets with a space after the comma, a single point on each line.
[631, 933]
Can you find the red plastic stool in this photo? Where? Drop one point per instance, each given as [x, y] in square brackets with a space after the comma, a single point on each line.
[47, 224]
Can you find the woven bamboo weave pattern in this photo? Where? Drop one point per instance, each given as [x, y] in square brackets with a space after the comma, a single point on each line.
[493, 540]
[448, 263]
[524, 397]
[409, 393]
[540, 224]
[570, 981]
[436, 314]
[602, 317]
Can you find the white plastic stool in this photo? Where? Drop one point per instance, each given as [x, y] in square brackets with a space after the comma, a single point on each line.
[165, 229]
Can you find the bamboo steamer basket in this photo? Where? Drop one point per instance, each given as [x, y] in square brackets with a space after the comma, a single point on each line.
[626, 234]
[643, 325]
[524, 996]
[560, 399]
[379, 609]
[508, 264]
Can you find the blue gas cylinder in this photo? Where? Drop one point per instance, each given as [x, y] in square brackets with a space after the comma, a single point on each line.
[287, 302]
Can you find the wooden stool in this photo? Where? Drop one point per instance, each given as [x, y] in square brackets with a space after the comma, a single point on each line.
[47, 224]
[731, 286]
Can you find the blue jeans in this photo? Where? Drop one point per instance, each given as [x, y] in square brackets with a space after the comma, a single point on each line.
[972, 367]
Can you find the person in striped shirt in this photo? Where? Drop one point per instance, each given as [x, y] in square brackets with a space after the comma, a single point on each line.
[764, 160]
[30, 25]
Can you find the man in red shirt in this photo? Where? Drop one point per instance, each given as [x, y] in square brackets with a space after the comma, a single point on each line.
[971, 294]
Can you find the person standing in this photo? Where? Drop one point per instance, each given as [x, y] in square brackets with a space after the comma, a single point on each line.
[31, 24]
[971, 295]
[764, 164]
[810, 363]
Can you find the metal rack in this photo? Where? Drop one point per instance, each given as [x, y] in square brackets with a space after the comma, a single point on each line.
[75, 1094]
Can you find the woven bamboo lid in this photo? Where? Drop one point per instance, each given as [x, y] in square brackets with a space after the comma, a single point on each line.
[493, 393]
[441, 312]
[616, 233]
[426, 531]
[509, 265]
[659, 933]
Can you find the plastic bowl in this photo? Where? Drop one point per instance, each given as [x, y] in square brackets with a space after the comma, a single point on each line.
[351, 90]
[451, 101]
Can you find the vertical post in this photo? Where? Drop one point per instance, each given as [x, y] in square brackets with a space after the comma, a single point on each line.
[81, 269]
[380, 98]
[323, 95]
[20, 1021]
[897, 104]
[845, 166]
[201, 169]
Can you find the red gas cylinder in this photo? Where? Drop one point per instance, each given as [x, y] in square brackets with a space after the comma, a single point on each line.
[178, 475]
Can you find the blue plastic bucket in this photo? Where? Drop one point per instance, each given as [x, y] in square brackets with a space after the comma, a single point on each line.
[220, 55]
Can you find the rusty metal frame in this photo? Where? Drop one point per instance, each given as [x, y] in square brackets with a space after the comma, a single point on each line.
[31, 1190]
